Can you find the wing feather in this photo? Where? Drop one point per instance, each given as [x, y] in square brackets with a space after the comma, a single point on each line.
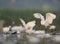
[50, 17]
[38, 15]
[23, 22]
[30, 24]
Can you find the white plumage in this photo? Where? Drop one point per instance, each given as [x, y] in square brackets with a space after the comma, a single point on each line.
[17, 29]
[38, 15]
[23, 22]
[49, 18]
[52, 15]
[6, 29]
[28, 25]
[52, 27]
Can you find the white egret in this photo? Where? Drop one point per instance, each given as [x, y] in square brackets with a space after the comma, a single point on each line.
[17, 28]
[49, 18]
[40, 16]
[6, 29]
[28, 26]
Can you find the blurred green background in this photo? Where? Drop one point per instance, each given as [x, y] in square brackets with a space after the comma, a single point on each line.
[12, 10]
[10, 15]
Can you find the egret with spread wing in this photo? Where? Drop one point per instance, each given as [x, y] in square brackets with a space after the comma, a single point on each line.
[49, 18]
[28, 26]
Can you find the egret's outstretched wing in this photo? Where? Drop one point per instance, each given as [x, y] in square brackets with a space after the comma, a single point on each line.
[23, 22]
[50, 17]
[30, 24]
[38, 15]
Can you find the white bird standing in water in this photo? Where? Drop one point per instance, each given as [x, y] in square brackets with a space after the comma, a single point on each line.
[6, 29]
[28, 26]
[18, 30]
[49, 18]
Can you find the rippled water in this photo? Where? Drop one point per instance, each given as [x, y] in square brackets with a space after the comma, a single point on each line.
[31, 39]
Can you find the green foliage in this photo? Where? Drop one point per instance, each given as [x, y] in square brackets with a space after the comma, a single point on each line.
[10, 15]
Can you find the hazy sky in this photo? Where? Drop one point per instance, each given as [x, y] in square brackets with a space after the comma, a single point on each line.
[52, 4]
